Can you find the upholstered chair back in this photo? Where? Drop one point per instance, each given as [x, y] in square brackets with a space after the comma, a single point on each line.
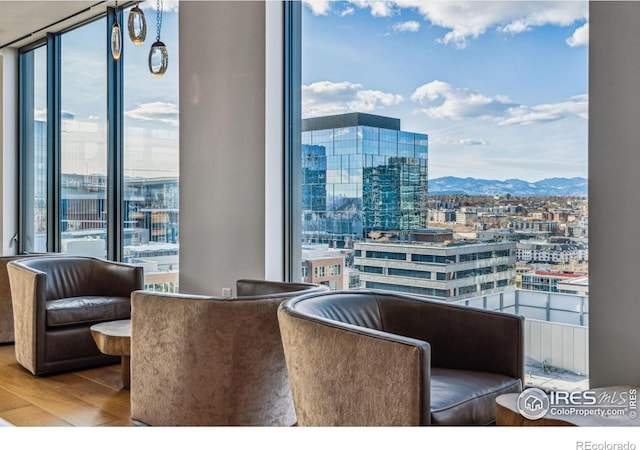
[69, 276]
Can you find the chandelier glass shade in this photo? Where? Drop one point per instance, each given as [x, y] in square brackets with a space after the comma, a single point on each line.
[116, 37]
[137, 26]
[158, 55]
[158, 59]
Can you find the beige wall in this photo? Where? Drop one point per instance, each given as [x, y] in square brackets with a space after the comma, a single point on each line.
[222, 144]
[614, 185]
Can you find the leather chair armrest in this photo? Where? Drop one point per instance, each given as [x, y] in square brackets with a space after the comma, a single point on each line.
[461, 337]
[327, 373]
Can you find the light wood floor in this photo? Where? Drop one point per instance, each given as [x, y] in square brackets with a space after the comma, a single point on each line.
[86, 398]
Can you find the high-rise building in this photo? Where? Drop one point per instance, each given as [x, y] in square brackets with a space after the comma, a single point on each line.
[449, 270]
[361, 173]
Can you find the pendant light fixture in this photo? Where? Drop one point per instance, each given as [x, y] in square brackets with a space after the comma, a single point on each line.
[137, 25]
[116, 35]
[158, 55]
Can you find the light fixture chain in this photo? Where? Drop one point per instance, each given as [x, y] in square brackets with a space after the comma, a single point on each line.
[158, 18]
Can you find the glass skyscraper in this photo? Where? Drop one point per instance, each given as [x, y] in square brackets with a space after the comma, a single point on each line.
[361, 173]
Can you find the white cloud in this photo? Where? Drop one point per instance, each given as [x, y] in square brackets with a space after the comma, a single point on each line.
[347, 12]
[580, 36]
[379, 8]
[524, 115]
[445, 101]
[158, 111]
[442, 100]
[470, 142]
[326, 98]
[470, 19]
[319, 7]
[409, 26]
[40, 115]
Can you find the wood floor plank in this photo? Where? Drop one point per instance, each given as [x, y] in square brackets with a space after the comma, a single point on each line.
[122, 423]
[106, 375]
[45, 393]
[7, 354]
[10, 401]
[33, 416]
[109, 399]
[89, 397]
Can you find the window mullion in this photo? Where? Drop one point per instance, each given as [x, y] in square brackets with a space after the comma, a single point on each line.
[26, 196]
[292, 135]
[54, 133]
[115, 182]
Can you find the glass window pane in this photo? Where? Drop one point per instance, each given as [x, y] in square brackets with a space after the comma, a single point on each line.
[83, 161]
[458, 226]
[34, 233]
[151, 161]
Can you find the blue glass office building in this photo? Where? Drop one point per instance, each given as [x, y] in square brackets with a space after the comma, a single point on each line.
[361, 173]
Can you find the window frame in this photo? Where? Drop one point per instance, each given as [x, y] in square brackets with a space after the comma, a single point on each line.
[115, 137]
[292, 102]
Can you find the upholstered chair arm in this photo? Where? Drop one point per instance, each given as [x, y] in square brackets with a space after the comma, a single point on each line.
[116, 279]
[395, 370]
[461, 337]
[6, 310]
[28, 287]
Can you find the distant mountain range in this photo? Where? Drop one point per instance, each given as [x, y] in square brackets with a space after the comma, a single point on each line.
[472, 186]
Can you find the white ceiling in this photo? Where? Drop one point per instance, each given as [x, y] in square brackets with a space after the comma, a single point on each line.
[22, 18]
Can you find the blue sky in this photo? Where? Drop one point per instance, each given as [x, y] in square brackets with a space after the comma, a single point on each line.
[499, 87]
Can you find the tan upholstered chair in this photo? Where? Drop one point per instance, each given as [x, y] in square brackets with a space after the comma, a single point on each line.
[198, 360]
[6, 309]
[56, 300]
[359, 358]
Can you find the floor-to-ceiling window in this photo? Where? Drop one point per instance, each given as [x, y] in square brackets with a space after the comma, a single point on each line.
[151, 157]
[99, 146]
[443, 152]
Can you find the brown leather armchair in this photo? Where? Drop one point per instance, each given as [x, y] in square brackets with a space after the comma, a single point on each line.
[57, 299]
[200, 360]
[365, 358]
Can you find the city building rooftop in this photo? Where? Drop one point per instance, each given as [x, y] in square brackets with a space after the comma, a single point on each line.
[350, 120]
[559, 274]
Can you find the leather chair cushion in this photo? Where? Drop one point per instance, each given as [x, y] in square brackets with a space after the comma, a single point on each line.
[461, 397]
[77, 310]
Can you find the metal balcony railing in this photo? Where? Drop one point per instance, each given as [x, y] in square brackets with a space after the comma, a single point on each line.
[556, 328]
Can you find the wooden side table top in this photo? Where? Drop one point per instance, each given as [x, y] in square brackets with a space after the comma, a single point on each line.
[113, 338]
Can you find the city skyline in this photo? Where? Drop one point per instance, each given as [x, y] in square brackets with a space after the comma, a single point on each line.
[499, 87]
